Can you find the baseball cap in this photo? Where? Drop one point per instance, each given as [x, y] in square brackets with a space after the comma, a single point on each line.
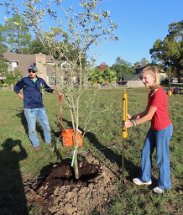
[33, 67]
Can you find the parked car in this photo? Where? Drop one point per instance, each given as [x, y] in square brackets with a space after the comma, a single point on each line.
[180, 79]
[122, 82]
[177, 90]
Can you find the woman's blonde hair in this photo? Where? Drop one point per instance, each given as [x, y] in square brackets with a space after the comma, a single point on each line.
[154, 71]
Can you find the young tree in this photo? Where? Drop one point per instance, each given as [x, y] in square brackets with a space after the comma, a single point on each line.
[72, 33]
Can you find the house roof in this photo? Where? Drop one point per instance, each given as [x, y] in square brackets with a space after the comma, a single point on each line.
[23, 60]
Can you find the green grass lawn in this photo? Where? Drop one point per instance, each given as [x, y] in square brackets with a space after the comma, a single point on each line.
[102, 121]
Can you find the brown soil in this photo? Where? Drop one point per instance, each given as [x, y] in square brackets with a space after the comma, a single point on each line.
[57, 192]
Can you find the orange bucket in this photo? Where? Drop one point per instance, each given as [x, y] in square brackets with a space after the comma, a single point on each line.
[68, 137]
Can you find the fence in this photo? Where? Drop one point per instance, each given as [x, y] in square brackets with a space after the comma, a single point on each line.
[135, 83]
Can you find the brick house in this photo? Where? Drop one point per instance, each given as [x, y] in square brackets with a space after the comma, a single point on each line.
[44, 63]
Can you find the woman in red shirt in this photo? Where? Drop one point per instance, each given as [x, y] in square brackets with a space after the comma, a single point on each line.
[159, 134]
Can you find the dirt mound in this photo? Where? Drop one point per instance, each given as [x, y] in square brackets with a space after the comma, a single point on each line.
[58, 193]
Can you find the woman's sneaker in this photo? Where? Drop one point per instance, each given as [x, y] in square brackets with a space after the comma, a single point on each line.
[137, 181]
[158, 190]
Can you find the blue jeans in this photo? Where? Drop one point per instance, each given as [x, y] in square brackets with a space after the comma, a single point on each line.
[160, 140]
[38, 114]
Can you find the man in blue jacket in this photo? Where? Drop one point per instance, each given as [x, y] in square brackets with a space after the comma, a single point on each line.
[32, 86]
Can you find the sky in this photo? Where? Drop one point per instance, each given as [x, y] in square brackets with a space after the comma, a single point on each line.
[140, 24]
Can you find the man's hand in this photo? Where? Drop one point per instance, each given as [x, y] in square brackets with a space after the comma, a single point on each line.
[57, 92]
[20, 95]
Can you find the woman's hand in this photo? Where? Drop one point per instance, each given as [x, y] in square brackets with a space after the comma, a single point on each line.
[129, 116]
[127, 124]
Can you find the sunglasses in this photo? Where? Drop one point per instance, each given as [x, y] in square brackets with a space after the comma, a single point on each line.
[31, 71]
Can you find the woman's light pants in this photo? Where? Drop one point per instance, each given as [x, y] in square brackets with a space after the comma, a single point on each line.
[160, 140]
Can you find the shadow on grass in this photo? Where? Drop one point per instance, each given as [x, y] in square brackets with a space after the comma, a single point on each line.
[113, 157]
[12, 195]
[133, 170]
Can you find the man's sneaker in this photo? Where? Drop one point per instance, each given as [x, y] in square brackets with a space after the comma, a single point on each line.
[158, 190]
[37, 148]
[137, 181]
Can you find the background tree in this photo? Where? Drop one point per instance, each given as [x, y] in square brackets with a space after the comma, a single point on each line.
[143, 62]
[35, 47]
[103, 66]
[3, 69]
[98, 76]
[169, 52]
[3, 47]
[7, 77]
[140, 64]
[109, 76]
[15, 34]
[122, 68]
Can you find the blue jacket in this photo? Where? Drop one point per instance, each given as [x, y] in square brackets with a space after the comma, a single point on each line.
[32, 92]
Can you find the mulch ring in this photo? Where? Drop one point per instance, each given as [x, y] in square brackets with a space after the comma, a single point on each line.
[57, 192]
